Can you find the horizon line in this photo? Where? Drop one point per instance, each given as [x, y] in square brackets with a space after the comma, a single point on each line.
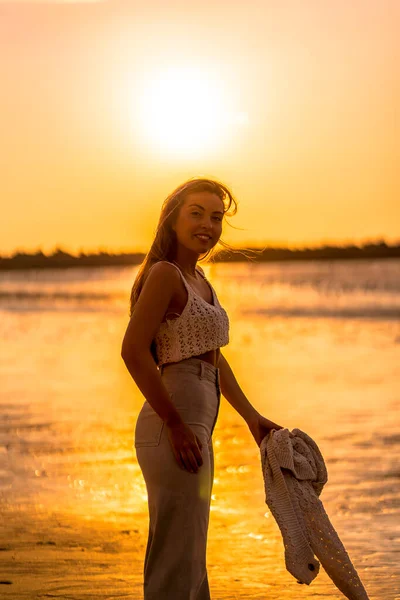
[255, 246]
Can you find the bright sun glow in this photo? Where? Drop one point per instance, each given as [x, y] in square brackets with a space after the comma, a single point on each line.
[184, 111]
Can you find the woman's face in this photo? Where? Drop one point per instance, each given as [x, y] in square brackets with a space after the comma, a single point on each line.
[200, 213]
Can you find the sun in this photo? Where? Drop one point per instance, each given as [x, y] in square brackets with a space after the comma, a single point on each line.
[183, 111]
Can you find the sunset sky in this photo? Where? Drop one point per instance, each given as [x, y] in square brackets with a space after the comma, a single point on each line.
[105, 107]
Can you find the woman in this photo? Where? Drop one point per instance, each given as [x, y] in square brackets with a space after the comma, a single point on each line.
[178, 325]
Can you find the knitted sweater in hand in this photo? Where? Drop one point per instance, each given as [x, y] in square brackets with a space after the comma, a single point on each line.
[294, 474]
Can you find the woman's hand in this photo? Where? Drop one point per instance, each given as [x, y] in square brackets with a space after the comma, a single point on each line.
[186, 446]
[260, 427]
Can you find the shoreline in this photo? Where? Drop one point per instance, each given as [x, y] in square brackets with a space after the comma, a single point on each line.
[63, 260]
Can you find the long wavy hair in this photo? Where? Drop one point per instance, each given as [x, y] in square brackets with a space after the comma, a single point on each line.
[165, 243]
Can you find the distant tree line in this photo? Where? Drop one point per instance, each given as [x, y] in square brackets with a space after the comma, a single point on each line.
[61, 259]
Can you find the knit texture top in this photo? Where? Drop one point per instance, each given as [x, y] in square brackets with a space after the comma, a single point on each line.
[200, 327]
[294, 474]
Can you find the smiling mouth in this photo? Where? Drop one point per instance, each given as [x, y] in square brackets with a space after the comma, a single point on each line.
[203, 238]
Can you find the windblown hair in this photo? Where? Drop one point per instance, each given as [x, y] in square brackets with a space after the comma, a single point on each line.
[164, 243]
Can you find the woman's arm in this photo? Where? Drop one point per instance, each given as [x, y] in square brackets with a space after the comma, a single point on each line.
[259, 426]
[142, 327]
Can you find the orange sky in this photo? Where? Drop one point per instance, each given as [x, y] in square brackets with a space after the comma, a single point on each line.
[291, 103]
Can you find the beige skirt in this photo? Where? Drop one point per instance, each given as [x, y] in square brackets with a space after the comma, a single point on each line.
[178, 501]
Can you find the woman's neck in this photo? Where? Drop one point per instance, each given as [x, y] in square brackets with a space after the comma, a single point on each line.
[189, 271]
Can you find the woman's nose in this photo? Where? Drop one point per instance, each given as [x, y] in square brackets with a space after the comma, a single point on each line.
[207, 222]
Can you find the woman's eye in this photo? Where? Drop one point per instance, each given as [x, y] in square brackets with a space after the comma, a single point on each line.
[195, 212]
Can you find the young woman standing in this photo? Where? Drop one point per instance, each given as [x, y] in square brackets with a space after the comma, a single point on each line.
[172, 350]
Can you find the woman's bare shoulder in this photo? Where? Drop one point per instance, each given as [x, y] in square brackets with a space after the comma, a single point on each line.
[158, 289]
[163, 270]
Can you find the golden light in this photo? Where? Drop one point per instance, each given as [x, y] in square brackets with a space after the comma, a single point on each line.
[184, 112]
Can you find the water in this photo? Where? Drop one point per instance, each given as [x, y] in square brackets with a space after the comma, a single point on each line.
[314, 345]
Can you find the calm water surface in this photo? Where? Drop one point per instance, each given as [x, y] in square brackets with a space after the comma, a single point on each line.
[314, 345]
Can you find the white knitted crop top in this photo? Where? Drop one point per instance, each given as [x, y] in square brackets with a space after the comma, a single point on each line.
[199, 328]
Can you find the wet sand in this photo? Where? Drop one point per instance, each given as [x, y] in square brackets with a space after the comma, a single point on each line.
[62, 554]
